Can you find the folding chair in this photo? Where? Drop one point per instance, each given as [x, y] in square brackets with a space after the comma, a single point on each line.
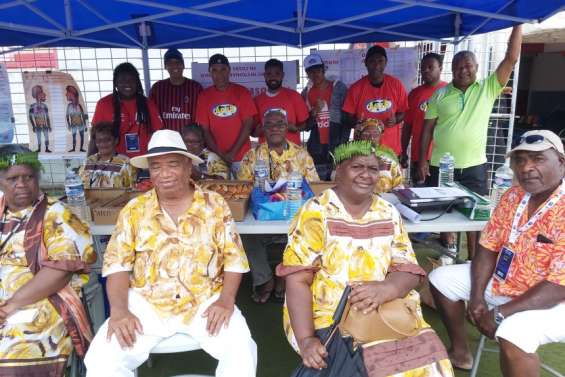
[174, 344]
[482, 347]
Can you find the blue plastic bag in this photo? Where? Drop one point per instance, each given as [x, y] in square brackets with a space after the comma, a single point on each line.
[265, 210]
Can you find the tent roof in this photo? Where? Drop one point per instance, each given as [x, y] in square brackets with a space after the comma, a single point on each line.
[238, 23]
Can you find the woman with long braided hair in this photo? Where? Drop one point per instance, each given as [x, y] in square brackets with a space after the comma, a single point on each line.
[135, 116]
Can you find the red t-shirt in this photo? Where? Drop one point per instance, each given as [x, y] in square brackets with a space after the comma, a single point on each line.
[134, 137]
[176, 103]
[366, 101]
[417, 106]
[323, 116]
[223, 113]
[288, 100]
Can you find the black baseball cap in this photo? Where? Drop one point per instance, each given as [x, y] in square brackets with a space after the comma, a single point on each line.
[218, 59]
[375, 50]
[173, 53]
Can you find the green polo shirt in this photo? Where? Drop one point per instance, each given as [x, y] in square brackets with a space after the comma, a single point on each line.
[462, 121]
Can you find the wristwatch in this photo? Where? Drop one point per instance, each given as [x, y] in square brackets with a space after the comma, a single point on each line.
[498, 316]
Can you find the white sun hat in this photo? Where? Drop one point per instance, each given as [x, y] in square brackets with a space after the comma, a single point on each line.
[164, 142]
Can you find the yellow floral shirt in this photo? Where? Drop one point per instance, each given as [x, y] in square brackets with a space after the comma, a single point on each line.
[214, 164]
[324, 235]
[116, 173]
[45, 339]
[390, 176]
[176, 268]
[293, 158]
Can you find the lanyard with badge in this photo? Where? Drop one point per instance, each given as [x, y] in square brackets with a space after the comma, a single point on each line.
[506, 254]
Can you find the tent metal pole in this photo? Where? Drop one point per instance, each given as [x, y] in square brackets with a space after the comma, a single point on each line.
[198, 12]
[42, 14]
[356, 17]
[429, 4]
[144, 30]
[482, 24]
[68, 17]
[513, 105]
[31, 29]
[106, 20]
[457, 26]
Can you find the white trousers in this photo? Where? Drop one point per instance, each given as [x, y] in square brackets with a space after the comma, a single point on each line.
[527, 330]
[233, 347]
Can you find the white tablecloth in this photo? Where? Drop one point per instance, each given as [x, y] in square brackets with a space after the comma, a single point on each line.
[449, 222]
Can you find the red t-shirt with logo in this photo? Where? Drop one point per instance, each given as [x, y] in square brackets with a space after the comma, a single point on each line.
[417, 106]
[323, 115]
[289, 101]
[134, 136]
[176, 103]
[366, 101]
[223, 113]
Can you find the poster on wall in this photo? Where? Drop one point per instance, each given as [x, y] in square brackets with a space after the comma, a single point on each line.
[349, 65]
[7, 120]
[248, 74]
[57, 115]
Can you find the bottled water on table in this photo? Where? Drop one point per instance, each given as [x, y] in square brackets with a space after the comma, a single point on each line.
[294, 194]
[502, 181]
[261, 174]
[446, 170]
[74, 189]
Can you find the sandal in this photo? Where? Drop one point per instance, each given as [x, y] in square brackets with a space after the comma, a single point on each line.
[278, 295]
[263, 292]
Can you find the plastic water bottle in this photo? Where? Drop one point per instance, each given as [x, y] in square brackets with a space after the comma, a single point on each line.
[261, 174]
[446, 170]
[502, 181]
[74, 189]
[294, 194]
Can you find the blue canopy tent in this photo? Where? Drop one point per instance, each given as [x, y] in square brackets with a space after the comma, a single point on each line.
[236, 23]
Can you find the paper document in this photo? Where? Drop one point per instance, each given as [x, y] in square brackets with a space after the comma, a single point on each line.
[22, 316]
[438, 192]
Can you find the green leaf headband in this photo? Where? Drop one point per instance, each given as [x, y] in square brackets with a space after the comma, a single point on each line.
[355, 148]
[29, 158]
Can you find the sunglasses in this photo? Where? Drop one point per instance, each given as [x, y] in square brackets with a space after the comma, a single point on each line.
[535, 139]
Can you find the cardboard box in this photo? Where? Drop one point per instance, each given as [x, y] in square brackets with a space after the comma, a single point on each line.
[106, 204]
[319, 187]
[236, 194]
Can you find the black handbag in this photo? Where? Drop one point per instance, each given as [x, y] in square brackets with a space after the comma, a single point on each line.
[342, 360]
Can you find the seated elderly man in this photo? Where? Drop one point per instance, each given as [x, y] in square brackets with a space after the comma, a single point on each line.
[212, 167]
[281, 157]
[516, 283]
[173, 265]
[45, 251]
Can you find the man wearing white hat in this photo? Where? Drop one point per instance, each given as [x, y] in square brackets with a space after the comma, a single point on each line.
[515, 284]
[173, 265]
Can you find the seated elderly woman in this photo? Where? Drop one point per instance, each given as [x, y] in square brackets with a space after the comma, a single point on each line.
[349, 236]
[106, 168]
[45, 251]
[390, 173]
[212, 167]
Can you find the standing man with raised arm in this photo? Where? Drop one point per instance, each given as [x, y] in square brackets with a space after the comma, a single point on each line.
[225, 112]
[458, 117]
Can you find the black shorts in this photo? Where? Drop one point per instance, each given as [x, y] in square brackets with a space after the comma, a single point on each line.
[473, 177]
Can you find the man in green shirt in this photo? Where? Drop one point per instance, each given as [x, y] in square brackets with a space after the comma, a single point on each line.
[458, 116]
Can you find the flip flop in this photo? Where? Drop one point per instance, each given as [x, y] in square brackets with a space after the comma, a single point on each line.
[263, 292]
[465, 367]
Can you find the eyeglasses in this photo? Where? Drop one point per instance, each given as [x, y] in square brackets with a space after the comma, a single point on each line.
[535, 139]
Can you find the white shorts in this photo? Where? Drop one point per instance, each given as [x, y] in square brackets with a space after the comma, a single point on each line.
[527, 330]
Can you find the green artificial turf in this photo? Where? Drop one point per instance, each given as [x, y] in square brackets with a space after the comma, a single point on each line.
[277, 359]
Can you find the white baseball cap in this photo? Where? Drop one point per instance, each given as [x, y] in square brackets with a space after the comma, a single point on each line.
[163, 142]
[312, 60]
[537, 141]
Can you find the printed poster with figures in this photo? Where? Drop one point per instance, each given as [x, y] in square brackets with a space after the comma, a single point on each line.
[349, 65]
[7, 120]
[248, 74]
[56, 112]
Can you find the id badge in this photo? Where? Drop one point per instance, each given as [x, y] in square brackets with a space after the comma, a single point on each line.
[132, 142]
[503, 264]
